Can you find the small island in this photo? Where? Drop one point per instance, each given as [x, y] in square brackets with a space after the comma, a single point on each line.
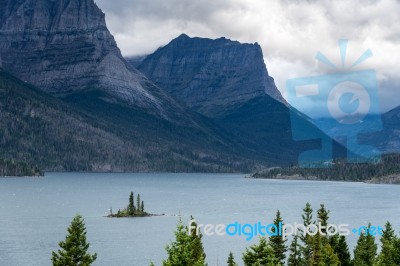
[132, 210]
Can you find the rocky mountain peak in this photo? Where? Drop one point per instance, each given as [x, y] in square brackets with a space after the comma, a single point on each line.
[51, 15]
[64, 47]
[210, 75]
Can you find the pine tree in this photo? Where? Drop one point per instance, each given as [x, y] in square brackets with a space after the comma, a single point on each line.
[131, 206]
[316, 257]
[396, 245]
[295, 258]
[74, 249]
[305, 238]
[138, 202]
[231, 260]
[388, 234]
[388, 255]
[342, 251]
[260, 254]
[198, 253]
[307, 215]
[329, 257]
[365, 251]
[277, 241]
[185, 250]
[142, 207]
[323, 217]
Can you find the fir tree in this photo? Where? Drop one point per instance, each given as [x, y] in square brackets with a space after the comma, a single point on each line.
[365, 251]
[305, 238]
[323, 217]
[388, 234]
[277, 241]
[198, 253]
[131, 206]
[316, 257]
[138, 201]
[307, 215]
[142, 207]
[342, 251]
[74, 250]
[388, 254]
[295, 258]
[329, 257]
[260, 254]
[322, 252]
[231, 260]
[185, 250]
[396, 245]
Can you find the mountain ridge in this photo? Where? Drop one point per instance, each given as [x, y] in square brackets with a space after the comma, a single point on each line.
[203, 56]
[228, 82]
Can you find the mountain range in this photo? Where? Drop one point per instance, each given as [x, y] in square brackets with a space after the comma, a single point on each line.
[71, 102]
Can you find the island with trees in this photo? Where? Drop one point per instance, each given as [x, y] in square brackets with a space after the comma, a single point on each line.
[132, 210]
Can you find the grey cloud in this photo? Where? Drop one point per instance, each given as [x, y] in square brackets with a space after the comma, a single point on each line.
[290, 31]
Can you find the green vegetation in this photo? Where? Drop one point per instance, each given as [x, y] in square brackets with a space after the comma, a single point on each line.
[14, 168]
[85, 133]
[187, 249]
[131, 210]
[278, 243]
[231, 260]
[74, 249]
[260, 254]
[320, 249]
[340, 171]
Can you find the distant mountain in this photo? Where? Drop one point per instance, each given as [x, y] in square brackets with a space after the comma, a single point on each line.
[389, 140]
[386, 140]
[209, 105]
[210, 76]
[65, 49]
[228, 82]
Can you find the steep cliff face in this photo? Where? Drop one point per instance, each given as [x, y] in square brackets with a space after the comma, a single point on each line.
[228, 82]
[64, 46]
[210, 76]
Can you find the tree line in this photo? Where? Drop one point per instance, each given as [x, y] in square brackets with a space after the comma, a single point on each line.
[340, 170]
[16, 168]
[319, 249]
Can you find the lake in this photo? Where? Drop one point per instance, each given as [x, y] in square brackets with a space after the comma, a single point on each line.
[35, 212]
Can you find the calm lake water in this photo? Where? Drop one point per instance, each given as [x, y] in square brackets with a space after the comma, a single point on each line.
[35, 212]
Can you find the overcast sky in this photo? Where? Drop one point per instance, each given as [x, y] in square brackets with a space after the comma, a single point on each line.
[290, 32]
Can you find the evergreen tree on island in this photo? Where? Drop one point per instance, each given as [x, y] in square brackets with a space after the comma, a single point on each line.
[131, 206]
[132, 210]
